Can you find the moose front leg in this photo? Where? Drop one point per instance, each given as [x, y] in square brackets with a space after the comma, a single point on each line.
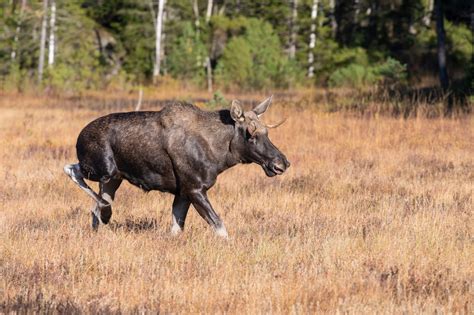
[180, 210]
[204, 208]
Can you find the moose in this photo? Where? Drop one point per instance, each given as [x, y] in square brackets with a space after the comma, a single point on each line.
[180, 149]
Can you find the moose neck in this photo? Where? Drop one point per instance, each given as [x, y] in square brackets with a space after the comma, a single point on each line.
[237, 147]
[231, 139]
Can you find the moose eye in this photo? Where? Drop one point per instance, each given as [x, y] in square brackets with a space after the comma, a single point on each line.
[253, 140]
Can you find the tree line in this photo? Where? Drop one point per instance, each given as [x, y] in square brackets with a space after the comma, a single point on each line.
[244, 44]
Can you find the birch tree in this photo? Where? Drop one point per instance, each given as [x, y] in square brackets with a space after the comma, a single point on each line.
[429, 12]
[163, 34]
[207, 63]
[209, 10]
[18, 30]
[196, 15]
[312, 38]
[293, 24]
[44, 26]
[52, 35]
[159, 28]
[163, 41]
[197, 23]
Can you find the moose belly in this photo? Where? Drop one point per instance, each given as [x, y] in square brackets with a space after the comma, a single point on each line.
[151, 181]
[149, 174]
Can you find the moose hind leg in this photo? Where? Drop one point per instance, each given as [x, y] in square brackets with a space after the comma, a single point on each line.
[180, 210]
[74, 172]
[107, 192]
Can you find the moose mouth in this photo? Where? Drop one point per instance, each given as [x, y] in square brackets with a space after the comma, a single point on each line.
[272, 170]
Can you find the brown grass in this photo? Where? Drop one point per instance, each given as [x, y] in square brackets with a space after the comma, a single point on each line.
[375, 215]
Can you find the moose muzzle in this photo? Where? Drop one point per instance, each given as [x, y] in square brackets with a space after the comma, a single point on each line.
[277, 166]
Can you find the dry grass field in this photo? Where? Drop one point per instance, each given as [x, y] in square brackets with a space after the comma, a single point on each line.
[374, 216]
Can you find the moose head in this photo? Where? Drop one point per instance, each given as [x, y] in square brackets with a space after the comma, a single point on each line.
[256, 146]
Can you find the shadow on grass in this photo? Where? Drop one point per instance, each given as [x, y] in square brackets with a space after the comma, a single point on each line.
[135, 225]
[36, 303]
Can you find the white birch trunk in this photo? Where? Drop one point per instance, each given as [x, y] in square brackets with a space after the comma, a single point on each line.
[163, 41]
[294, 18]
[159, 25]
[429, 12]
[52, 30]
[196, 15]
[17, 31]
[44, 26]
[312, 38]
[197, 23]
[209, 10]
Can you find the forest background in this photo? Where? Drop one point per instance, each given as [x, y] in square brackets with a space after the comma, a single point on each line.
[407, 48]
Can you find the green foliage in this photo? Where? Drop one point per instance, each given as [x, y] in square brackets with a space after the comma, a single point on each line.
[24, 43]
[235, 66]
[391, 72]
[254, 60]
[186, 54]
[14, 77]
[77, 65]
[356, 75]
[353, 75]
[460, 39]
[134, 28]
[459, 45]
[333, 58]
[345, 56]
[234, 26]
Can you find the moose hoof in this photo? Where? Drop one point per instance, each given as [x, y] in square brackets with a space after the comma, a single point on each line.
[222, 232]
[105, 214]
[176, 230]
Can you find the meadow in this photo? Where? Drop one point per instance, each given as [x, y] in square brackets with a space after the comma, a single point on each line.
[374, 216]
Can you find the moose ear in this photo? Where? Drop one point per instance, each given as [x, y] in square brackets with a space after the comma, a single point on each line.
[263, 106]
[236, 111]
